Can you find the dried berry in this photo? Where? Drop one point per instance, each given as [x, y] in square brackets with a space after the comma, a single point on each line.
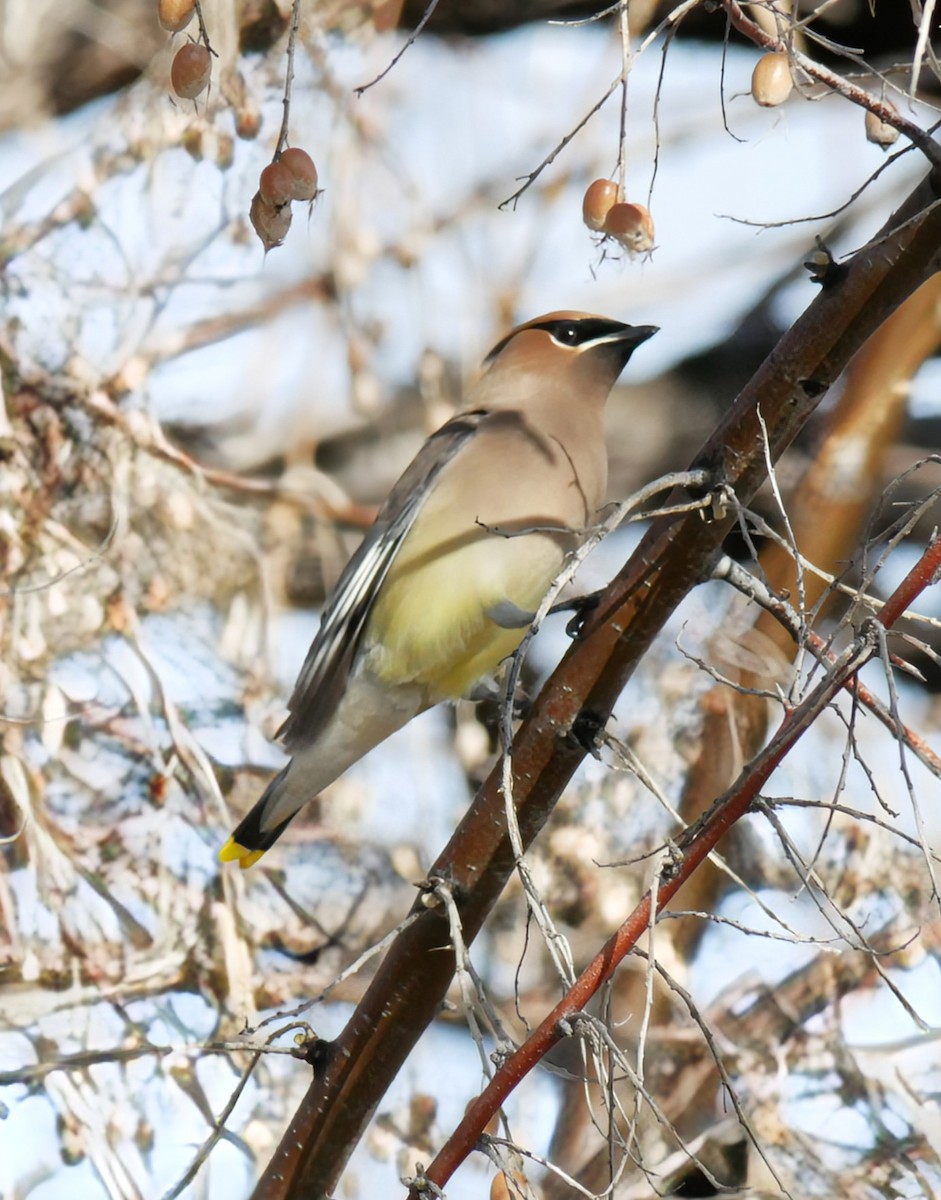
[632, 226]
[190, 70]
[193, 142]
[599, 198]
[303, 173]
[771, 81]
[880, 132]
[270, 223]
[175, 15]
[276, 185]
[247, 122]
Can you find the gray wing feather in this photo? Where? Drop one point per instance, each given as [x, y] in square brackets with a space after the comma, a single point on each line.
[323, 677]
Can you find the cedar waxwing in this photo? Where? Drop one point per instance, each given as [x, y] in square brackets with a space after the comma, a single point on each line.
[445, 583]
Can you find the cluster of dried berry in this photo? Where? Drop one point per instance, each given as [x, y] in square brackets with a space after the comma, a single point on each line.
[292, 176]
[605, 211]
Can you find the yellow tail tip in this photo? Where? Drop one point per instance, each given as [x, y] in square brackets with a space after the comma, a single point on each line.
[233, 852]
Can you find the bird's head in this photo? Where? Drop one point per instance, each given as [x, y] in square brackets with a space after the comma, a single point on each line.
[590, 350]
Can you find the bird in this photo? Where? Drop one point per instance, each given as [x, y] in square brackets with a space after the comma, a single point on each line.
[447, 580]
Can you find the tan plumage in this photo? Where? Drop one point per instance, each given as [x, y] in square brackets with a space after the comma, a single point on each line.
[444, 584]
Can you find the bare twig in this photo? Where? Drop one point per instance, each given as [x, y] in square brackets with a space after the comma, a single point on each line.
[412, 38]
[288, 79]
[752, 587]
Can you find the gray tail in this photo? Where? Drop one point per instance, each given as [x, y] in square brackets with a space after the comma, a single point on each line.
[249, 835]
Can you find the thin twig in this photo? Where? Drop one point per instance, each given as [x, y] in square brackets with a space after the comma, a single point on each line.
[217, 1134]
[288, 79]
[412, 38]
[756, 590]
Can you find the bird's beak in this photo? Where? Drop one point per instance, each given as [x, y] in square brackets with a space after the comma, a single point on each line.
[633, 335]
[619, 344]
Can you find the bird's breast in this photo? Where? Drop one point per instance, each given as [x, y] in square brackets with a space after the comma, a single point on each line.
[486, 541]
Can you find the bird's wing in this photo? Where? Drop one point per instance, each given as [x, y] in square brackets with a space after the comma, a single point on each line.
[324, 675]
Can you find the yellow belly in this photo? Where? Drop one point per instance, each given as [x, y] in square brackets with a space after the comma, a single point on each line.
[430, 624]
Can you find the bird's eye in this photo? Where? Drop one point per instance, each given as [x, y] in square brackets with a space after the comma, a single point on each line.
[567, 335]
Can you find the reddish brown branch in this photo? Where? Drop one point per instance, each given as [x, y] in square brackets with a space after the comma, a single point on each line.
[922, 575]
